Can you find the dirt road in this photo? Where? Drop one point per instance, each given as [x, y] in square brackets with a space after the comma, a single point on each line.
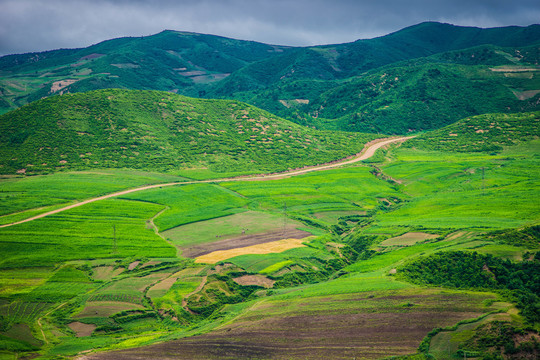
[368, 152]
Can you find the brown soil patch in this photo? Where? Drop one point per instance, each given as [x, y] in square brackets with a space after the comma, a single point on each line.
[329, 328]
[82, 329]
[407, 239]
[106, 272]
[266, 248]
[513, 69]
[106, 308]
[161, 287]
[133, 265]
[243, 241]
[151, 263]
[257, 280]
[59, 85]
[524, 95]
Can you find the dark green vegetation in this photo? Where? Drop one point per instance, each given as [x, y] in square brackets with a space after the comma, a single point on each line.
[420, 78]
[476, 271]
[160, 131]
[457, 228]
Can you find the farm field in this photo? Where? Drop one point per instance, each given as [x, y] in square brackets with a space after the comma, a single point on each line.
[127, 277]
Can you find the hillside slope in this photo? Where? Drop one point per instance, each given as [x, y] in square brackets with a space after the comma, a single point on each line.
[488, 132]
[170, 60]
[160, 131]
[276, 78]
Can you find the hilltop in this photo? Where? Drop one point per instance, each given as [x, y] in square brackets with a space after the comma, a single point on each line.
[155, 130]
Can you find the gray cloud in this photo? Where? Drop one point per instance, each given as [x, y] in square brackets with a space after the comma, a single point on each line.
[36, 25]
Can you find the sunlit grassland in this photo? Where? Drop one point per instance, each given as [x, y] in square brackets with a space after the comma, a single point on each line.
[465, 190]
[105, 229]
[173, 298]
[16, 282]
[352, 188]
[348, 284]
[387, 260]
[24, 193]
[191, 203]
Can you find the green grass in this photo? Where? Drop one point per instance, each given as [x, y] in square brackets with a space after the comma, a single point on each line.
[24, 193]
[16, 281]
[190, 203]
[348, 284]
[173, 298]
[275, 267]
[86, 232]
[458, 191]
[351, 188]
[258, 263]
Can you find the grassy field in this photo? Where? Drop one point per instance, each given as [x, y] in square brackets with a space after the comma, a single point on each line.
[102, 268]
[455, 190]
[353, 189]
[23, 197]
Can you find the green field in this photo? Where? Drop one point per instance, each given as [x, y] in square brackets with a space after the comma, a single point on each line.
[104, 265]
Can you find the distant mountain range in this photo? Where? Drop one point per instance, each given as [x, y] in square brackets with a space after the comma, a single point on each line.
[419, 78]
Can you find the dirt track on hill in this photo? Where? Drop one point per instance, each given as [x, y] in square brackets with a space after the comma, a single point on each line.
[368, 152]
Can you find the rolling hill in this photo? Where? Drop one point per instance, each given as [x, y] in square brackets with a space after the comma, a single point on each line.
[160, 131]
[170, 60]
[320, 86]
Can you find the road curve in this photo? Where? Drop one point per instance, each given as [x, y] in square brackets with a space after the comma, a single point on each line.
[368, 152]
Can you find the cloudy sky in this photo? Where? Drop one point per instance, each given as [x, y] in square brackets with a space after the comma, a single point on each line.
[37, 25]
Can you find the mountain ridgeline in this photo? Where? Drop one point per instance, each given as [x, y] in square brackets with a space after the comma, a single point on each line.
[160, 131]
[419, 78]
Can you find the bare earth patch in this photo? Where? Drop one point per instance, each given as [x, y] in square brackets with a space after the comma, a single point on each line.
[59, 85]
[258, 280]
[408, 239]
[266, 248]
[82, 329]
[106, 308]
[243, 241]
[106, 272]
[321, 328]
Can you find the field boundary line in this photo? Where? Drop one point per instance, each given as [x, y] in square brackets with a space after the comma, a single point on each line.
[366, 153]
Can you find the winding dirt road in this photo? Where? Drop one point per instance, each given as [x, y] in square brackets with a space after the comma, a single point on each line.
[369, 151]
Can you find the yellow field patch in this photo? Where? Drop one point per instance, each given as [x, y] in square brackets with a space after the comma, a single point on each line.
[266, 248]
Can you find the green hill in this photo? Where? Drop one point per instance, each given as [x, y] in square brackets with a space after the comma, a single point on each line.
[489, 132]
[159, 131]
[170, 60]
[414, 95]
[320, 86]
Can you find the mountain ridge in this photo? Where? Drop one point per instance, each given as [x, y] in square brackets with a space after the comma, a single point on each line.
[277, 78]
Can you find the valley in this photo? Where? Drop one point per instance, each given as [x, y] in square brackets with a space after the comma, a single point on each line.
[380, 202]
